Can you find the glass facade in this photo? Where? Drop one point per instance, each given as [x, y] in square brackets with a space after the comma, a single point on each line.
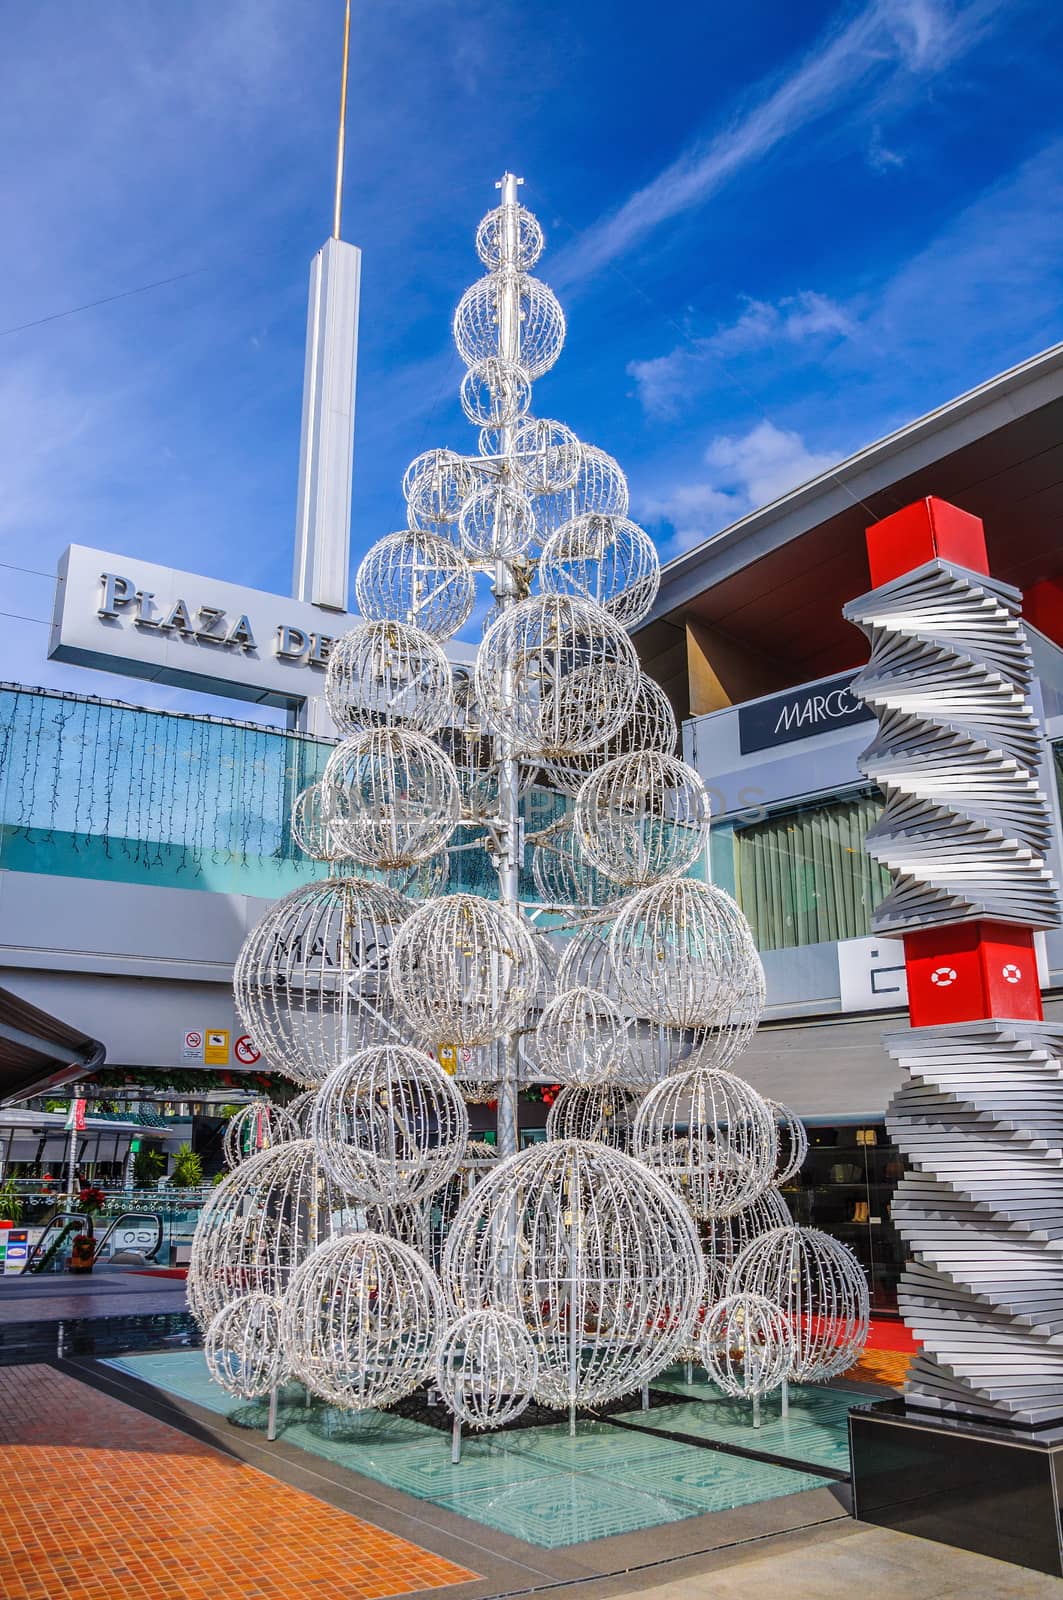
[95, 789]
[801, 874]
[846, 1187]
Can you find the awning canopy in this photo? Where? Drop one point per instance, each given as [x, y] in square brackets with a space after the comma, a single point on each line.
[39, 1053]
[757, 607]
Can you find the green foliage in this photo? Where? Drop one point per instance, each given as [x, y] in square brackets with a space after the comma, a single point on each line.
[148, 1168]
[10, 1201]
[187, 1168]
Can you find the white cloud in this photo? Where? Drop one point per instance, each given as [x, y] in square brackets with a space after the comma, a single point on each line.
[887, 40]
[663, 381]
[880, 158]
[745, 471]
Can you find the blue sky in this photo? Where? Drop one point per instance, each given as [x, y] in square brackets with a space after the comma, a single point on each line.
[778, 232]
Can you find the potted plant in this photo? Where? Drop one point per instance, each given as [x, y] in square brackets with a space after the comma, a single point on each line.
[10, 1204]
[187, 1168]
[82, 1252]
[148, 1168]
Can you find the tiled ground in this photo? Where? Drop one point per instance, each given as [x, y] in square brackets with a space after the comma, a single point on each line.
[535, 1483]
[102, 1502]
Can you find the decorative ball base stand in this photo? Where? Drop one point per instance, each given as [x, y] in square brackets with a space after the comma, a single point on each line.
[977, 1487]
[972, 1454]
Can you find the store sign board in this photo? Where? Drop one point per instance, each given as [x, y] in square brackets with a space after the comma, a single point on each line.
[800, 714]
[118, 614]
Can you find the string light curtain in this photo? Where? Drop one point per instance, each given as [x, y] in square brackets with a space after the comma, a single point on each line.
[802, 876]
[93, 789]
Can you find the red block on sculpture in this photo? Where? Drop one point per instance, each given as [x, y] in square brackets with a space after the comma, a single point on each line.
[970, 970]
[921, 532]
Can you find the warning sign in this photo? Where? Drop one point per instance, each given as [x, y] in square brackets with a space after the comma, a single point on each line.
[245, 1052]
[216, 1048]
[192, 1045]
[447, 1057]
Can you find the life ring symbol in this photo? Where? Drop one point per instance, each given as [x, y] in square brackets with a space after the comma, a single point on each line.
[943, 976]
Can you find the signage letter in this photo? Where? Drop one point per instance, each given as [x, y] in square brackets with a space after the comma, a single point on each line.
[116, 592]
[240, 633]
[291, 642]
[320, 649]
[179, 619]
[209, 617]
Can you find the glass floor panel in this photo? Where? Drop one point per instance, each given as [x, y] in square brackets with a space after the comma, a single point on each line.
[815, 1430]
[536, 1484]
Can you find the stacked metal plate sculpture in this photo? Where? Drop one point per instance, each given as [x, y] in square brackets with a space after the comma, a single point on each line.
[397, 1251]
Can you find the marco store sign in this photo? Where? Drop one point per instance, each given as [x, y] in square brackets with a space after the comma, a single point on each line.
[800, 713]
[149, 621]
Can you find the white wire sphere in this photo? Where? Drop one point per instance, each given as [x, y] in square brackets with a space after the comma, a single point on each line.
[496, 523]
[604, 1114]
[651, 726]
[509, 233]
[311, 979]
[477, 321]
[390, 1125]
[300, 1109]
[599, 486]
[391, 797]
[724, 1238]
[385, 673]
[495, 393]
[435, 485]
[585, 961]
[581, 1038]
[688, 957]
[257, 1126]
[793, 1142]
[604, 1271]
[471, 747]
[562, 874]
[362, 1317]
[261, 1221]
[747, 1345]
[822, 1289]
[417, 577]
[607, 559]
[310, 828]
[463, 970]
[242, 1346]
[546, 456]
[421, 879]
[556, 676]
[642, 817]
[486, 1368]
[711, 1136]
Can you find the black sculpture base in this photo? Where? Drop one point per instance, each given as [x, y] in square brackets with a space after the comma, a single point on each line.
[973, 1486]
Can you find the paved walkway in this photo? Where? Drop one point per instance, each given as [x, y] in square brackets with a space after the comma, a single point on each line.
[102, 1502]
[843, 1561]
[53, 1297]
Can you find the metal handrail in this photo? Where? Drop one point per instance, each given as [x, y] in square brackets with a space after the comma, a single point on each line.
[134, 1216]
[68, 1218]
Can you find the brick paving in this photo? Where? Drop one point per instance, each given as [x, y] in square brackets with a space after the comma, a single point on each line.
[102, 1502]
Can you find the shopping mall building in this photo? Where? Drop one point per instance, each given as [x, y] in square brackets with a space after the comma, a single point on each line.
[137, 848]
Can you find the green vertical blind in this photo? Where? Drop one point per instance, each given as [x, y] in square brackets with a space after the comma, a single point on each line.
[802, 876]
